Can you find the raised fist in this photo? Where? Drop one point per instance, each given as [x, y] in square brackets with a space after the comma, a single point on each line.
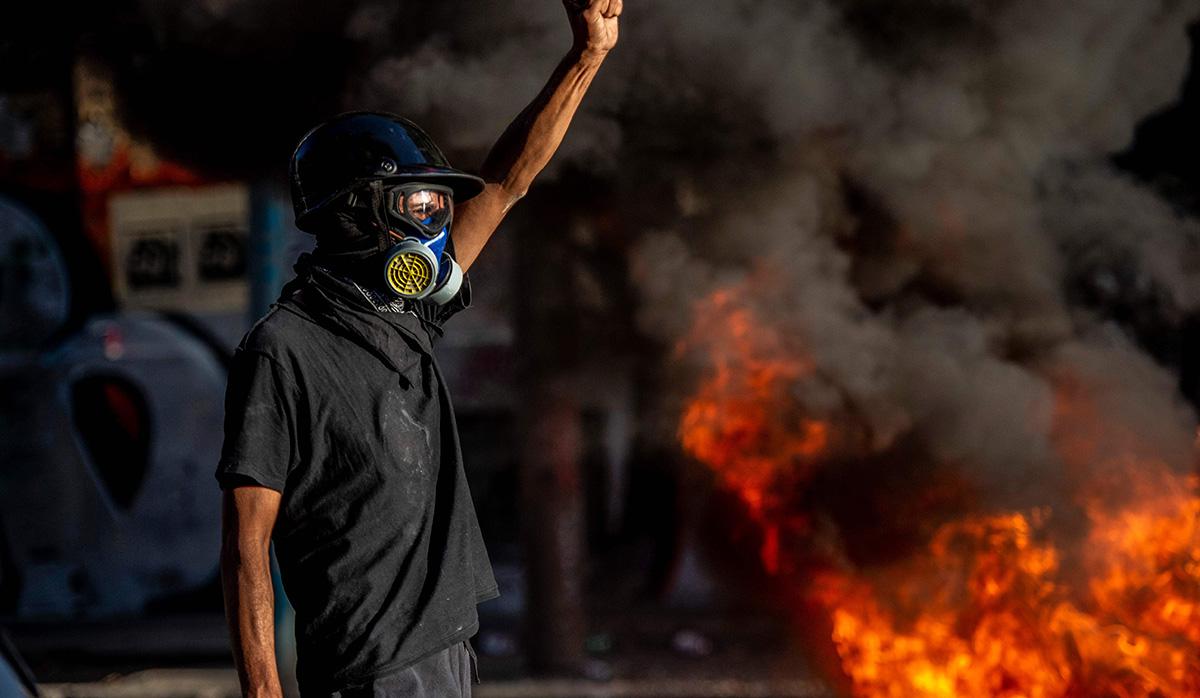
[594, 23]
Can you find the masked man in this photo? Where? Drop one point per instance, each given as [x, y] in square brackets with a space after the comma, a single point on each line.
[340, 441]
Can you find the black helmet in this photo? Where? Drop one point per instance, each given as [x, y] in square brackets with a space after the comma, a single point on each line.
[358, 147]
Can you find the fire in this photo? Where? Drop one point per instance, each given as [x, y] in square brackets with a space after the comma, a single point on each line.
[999, 603]
[983, 586]
[741, 416]
[1146, 561]
[741, 422]
[985, 613]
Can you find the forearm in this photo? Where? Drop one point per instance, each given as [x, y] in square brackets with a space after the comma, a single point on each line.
[522, 151]
[249, 612]
[529, 142]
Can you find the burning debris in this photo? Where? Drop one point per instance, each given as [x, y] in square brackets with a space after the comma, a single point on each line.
[915, 290]
[1000, 602]
[985, 613]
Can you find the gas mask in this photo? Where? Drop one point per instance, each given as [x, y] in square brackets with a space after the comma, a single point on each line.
[414, 225]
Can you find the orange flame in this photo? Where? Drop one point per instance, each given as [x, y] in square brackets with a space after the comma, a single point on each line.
[984, 614]
[741, 422]
[990, 608]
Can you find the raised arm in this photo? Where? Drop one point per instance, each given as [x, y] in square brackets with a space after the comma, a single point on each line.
[531, 139]
[247, 517]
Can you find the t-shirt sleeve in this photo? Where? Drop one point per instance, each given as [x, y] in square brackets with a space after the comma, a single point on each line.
[260, 443]
[437, 315]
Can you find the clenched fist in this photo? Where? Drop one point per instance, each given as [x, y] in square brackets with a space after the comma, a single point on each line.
[594, 24]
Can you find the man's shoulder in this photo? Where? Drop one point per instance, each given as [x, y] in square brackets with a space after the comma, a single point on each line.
[277, 332]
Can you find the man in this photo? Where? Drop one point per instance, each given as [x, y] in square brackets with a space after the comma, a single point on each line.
[340, 442]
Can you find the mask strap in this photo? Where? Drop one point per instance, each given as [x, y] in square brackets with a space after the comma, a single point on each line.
[377, 203]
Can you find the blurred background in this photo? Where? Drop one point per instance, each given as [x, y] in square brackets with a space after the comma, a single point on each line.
[846, 348]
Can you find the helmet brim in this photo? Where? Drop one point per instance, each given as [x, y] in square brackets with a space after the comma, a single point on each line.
[464, 186]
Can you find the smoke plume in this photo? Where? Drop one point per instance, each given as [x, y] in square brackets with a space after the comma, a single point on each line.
[916, 195]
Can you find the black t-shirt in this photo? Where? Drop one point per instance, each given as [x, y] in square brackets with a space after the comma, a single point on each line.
[342, 408]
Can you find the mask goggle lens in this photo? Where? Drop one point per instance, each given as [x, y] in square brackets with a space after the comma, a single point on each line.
[427, 208]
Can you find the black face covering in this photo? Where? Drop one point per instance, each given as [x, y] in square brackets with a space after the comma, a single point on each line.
[350, 238]
[348, 245]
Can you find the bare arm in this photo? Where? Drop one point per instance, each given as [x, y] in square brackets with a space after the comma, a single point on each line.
[247, 517]
[531, 139]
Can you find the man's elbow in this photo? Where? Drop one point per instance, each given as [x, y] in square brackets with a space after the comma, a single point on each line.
[516, 193]
[512, 190]
[230, 561]
[239, 551]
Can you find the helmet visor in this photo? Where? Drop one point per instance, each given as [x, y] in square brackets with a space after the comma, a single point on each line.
[429, 208]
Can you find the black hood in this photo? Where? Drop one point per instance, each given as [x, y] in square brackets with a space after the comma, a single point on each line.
[345, 234]
[332, 301]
